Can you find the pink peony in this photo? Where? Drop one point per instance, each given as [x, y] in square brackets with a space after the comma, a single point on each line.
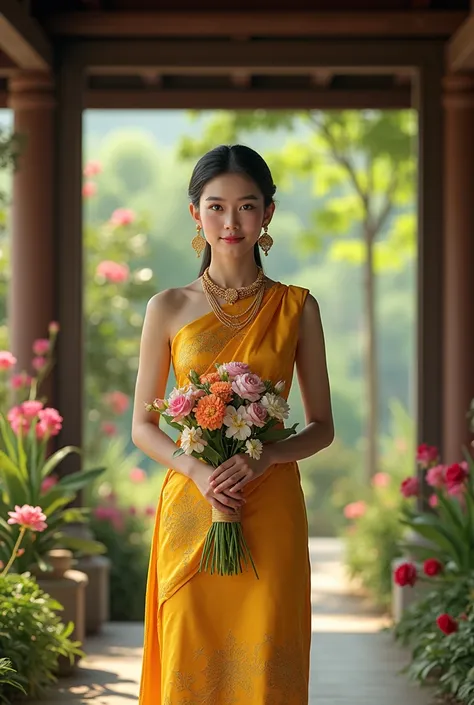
[436, 476]
[410, 487]
[248, 386]
[53, 327]
[234, 369]
[38, 363]
[113, 271]
[89, 189]
[138, 475]
[256, 414]
[20, 381]
[92, 168]
[109, 428]
[355, 510]
[381, 479]
[122, 216]
[7, 360]
[180, 406]
[29, 517]
[426, 455]
[50, 423]
[48, 483]
[118, 402]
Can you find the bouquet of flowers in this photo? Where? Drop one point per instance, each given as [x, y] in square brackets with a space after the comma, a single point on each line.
[222, 414]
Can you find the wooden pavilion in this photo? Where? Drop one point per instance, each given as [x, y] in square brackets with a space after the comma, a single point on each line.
[59, 57]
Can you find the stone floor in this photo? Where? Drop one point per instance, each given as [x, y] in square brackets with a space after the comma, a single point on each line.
[353, 663]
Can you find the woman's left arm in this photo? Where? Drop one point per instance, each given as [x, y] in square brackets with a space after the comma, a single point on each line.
[313, 377]
[318, 433]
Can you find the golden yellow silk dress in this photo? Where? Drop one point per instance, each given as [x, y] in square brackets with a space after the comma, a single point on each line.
[232, 640]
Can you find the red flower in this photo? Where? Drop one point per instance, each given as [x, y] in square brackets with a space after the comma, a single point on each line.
[405, 574]
[426, 455]
[447, 624]
[455, 476]
[410, 487]
[432, 567]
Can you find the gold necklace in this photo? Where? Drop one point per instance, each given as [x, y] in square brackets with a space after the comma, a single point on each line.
[238, 321]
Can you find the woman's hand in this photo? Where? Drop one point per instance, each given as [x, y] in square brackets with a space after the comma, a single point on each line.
[223, 501]
[235, 473]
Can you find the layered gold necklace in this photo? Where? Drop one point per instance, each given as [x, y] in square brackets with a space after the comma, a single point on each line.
[237, 321]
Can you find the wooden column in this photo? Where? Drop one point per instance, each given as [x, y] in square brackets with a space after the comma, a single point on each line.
[458, 262]
[69, 270]
[31, 295]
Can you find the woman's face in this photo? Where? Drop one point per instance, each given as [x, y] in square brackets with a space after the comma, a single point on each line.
[232, 214]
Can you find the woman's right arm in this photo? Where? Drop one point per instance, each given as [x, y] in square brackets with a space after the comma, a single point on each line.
[153, 370]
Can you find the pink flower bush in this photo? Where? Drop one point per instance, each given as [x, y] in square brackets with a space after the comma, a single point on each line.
[28, 517]
[435, 477]
[48, 483]
[427, 455]
[248, 386]
[433, 501]
[89, 189]
[92, 168]
[41, 346]
[122, 216]
[109, 428]
[30, 409]
[138, 475]
[118, 402]
[111, 514]
[113, 271]
[7, 360]
[455, 477]
[20, 381]
[39, 363]
[410, 487]
[405, 574]
[257, 414]
[381, 479]
[48, 420]
[50, 423]
[355, 510]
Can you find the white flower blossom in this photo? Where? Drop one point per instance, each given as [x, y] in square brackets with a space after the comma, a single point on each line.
[192, 440]
[237, 423]
[254, 448]
[276, 406]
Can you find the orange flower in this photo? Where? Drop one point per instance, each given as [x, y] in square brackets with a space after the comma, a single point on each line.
[210, 412]
[211, 378]
[223, 390]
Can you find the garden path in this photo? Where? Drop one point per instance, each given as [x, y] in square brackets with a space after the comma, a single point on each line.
[352, 661]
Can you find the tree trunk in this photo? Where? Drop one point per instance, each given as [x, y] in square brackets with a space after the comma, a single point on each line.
[371, 357]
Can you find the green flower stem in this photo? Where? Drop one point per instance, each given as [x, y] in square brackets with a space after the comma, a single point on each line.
[14, 552]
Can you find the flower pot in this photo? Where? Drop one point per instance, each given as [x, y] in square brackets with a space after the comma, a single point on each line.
[97, 569]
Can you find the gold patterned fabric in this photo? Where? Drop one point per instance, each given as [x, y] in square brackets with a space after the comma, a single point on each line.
[232, 640]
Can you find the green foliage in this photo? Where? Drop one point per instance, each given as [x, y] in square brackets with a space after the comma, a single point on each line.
[32, 635]
[7, 678]
[445, 661]
[373, 540]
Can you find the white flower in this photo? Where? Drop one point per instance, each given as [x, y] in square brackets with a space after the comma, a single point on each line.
[237, 422]
[276, 406]
[280, 386]
[192, 440]
[254, 448]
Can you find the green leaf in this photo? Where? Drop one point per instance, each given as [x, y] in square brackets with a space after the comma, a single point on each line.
[57, 457]
[17, 489]
[178, 452]
[86, 546]
[277, 434]
[77, 480]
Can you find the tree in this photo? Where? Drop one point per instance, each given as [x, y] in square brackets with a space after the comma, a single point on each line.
[362, 166]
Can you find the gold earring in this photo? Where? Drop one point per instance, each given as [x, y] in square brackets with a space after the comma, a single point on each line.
[198, 242]
[265, 241]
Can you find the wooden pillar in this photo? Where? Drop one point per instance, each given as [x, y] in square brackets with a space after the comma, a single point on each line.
[31, 295]
[69, 270]
[458, 262]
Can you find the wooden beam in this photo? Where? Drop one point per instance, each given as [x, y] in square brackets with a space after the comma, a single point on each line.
[265, 56]
[390, 99]
[23, 39]
[460, 50]
[257, 24]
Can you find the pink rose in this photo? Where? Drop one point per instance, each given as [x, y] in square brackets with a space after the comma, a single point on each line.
[455, 477]
[355, 510]
[410, 487]
[234, 369]
[381, 479]
[118, 402]
[92, 168]
[426, 455]
[7, 360]
[256, 414]
[435, 477]
[89, 189]
[248, 386]
[113, 271]
[180, 406]
[122, 216]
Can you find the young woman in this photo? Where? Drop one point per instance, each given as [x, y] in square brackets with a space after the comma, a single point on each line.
[231, 640]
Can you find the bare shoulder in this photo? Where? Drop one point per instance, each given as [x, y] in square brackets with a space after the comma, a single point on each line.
[171, 305]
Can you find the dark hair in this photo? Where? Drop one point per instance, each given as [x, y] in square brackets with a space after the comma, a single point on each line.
[235, 159]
